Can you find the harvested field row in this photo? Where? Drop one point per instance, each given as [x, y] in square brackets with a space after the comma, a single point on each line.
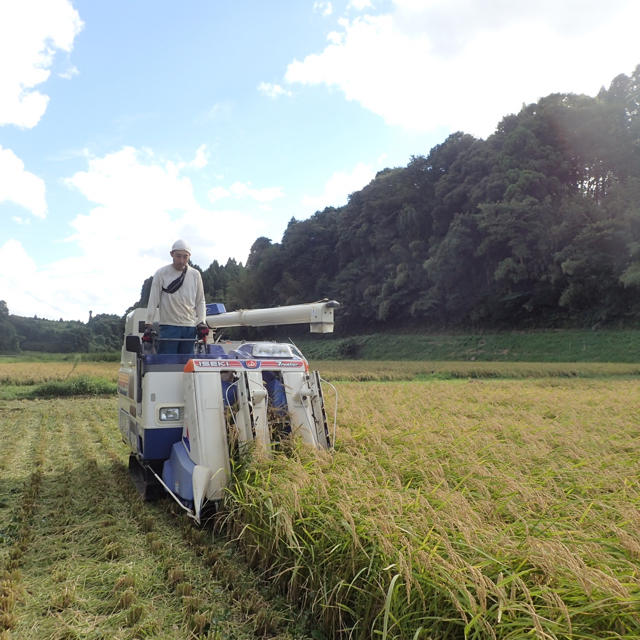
[84, 557]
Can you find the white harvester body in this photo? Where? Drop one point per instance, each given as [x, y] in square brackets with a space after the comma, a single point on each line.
[184, 416]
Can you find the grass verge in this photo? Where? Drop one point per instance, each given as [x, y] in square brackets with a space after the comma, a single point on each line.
[40, 356]
[510, 346]
[76, 386]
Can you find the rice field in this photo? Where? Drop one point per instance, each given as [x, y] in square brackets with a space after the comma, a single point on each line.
[472, 505]
[376, 370]
[33, 373]
[460, 509]
[30, 373]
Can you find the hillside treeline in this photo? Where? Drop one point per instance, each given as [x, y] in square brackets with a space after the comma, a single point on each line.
[103, 332]
[538, 225]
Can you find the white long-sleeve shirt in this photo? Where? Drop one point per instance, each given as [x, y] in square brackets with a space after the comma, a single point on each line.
[183, 308]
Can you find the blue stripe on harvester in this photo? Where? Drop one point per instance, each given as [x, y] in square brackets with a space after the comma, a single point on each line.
[157, 443]
[177, 472]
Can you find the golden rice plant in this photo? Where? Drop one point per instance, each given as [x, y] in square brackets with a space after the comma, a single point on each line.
[28, 373]
[386, 371]
[459, 509]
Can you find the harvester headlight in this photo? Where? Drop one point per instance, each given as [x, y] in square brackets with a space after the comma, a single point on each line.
[170, 414]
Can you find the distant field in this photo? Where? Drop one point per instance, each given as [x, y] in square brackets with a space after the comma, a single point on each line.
[33, 373]
[28, 373]
[381, 370]
[53, 379]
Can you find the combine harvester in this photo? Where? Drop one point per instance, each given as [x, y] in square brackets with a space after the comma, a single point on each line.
[185, 416]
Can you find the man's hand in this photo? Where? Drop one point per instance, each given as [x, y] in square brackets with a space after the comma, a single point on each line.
[149, 334]
[202, 331]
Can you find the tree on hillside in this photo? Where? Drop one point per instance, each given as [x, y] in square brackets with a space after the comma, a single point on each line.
[220, 283]
[105, 332]
[8, 337]
[51, 336]
[145, 290]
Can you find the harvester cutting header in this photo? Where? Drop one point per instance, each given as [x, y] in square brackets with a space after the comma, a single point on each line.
[184, 414]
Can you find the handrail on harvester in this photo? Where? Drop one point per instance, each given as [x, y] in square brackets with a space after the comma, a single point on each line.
[319, 315]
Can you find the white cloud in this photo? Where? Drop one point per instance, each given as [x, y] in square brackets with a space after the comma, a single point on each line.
[463, 64]
[201, 159]
[217, 193]
[219, 111]
[338, 188]
[266, 194]
[272, 90]
[360, 5]
[20, 186]
[134, 181]
[323, 7]
[12, 252]
[31, 31]
[69, 73]
[142, 204]
[20, 296]
[243, 190]
[69, 288]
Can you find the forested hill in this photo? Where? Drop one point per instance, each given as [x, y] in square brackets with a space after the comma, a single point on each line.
[103, 332]
[539, 225]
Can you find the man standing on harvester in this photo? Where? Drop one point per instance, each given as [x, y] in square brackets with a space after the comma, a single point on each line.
[177, 289]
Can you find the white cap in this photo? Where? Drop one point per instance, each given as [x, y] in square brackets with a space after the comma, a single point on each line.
[181, 245]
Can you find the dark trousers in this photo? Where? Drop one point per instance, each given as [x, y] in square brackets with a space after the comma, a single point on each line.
[175, 339]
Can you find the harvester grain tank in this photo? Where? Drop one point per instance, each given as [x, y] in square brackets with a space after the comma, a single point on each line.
[184, 416]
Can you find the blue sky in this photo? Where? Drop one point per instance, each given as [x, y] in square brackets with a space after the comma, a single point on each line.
[126, 125]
